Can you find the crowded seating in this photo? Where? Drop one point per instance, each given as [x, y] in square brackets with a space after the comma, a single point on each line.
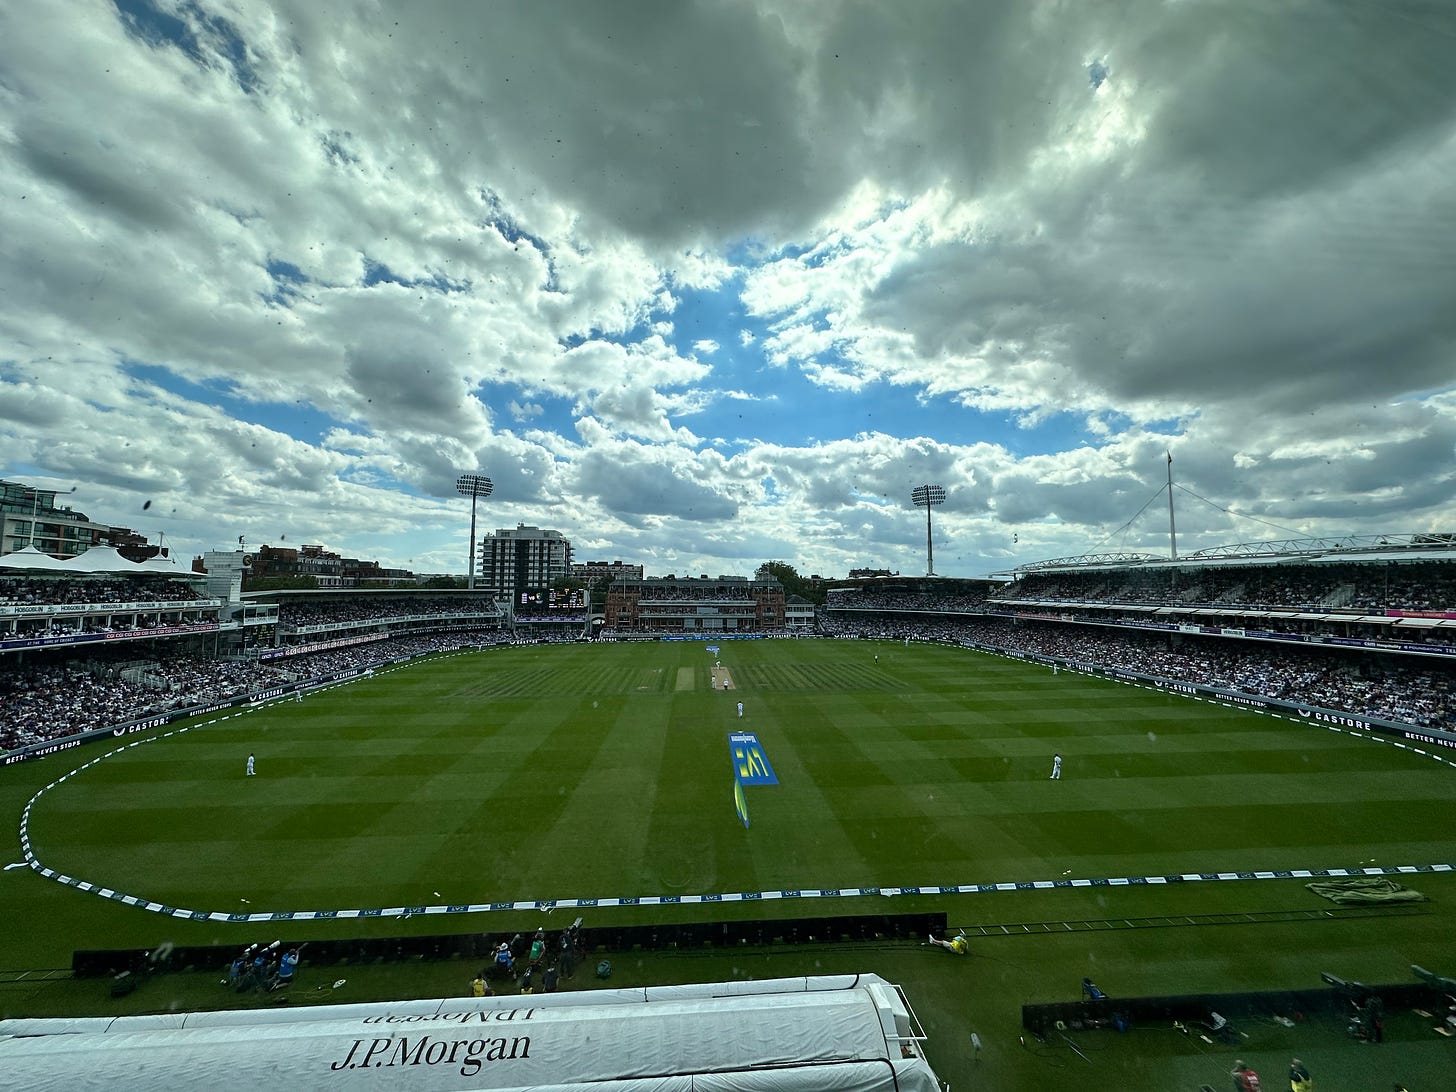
[293, 614]
[30, 591]
[41, 703]
[1406, 586]
[1422, 696]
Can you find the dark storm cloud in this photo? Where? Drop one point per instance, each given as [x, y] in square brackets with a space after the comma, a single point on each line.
[1296, 313]
[1278, 99]
[1251, 204]
[914, 93]
[102, 175]
[1252, 99]
[961, 296]
[676, 122]
[665, 120]
[402, 384]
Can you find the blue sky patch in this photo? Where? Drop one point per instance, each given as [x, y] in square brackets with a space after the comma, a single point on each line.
[194, 34]
[299, 420]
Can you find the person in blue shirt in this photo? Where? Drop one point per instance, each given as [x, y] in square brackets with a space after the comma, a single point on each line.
[286, 966]
[251, 970]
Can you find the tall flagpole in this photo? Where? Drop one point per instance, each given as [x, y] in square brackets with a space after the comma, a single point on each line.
[1172, 527]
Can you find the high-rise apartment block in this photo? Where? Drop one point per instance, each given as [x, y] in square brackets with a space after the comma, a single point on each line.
[523, 561]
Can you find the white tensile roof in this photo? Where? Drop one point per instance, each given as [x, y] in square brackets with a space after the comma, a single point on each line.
[165, 565]
[101, 559]
[98, 559]
[849, 1033]
[28, 558]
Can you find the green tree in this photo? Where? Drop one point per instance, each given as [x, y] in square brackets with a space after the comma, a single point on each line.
[280, 583]
[793, 583]
[596, 590]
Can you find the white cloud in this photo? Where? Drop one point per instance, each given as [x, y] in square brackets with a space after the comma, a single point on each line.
[300, 293]
[524, 411]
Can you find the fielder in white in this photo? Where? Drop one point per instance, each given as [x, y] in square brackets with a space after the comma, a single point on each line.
[250, 766]
[740, 709]
[1056, 768]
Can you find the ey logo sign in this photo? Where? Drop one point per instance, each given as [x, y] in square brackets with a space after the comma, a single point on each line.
[750, 764]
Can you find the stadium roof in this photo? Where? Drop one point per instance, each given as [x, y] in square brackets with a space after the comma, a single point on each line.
[1419, 546]
[167, 565]
[102, 559]
[29, 558]
[98, 559]
[851, 1032]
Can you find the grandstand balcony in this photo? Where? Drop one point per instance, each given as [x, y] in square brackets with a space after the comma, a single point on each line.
[34, 625]
[394, 622]
[701, 606]
[310, 618]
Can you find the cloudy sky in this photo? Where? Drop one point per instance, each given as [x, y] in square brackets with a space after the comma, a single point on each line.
[707, 284]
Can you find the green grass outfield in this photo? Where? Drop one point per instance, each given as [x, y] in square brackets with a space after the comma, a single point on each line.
[603, 772]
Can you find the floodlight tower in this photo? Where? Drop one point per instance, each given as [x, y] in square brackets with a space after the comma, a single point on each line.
[1172, 526]
[473, 486]
[927, 496]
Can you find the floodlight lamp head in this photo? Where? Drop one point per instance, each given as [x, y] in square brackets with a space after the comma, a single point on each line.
[923, 496]
[473, 485]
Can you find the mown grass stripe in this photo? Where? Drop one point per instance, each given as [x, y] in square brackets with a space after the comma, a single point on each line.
[402, 778]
